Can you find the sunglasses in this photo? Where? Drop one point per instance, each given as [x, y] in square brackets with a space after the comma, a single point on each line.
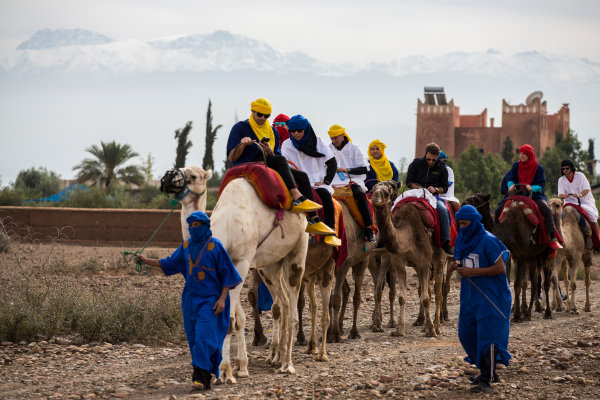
[260, 115]
[431, 159]
[296, 130]
[566, 169]
[279, 123]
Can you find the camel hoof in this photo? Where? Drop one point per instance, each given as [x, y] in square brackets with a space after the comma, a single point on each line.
[259, 340]
[376, 328]
[575, 312]
[302, 342]
[517, 320]
[397, 334]
[334, 339]
[242, 373]
[548, 315]
[226, 380]
[322, 357]
[587, 308]
[418, 322]
[354, 334]
[391, 324]
[429, 333]
[290, 370]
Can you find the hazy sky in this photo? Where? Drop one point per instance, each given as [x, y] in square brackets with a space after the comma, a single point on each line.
[348, 30]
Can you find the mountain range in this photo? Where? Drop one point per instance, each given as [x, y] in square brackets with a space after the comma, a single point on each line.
[82, 51]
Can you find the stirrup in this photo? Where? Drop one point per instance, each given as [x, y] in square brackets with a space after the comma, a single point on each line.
[305, 206]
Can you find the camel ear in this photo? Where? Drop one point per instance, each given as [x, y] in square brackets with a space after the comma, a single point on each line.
[208, 174]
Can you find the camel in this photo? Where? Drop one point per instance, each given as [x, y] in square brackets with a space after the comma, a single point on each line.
[380, 267]
[574, 254]
[358, 259]
[405, 236]
[531, 258]
[273, 242]
[189, 185]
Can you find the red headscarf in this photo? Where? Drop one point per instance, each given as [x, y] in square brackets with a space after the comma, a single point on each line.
[528, 168]
[282, 130]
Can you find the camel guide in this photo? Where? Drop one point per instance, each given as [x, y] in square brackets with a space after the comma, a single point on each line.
[431, 174]
[380, 168]
[308, 152]
[485, 299]
[209, 274]
[247, 142]
[351, 160]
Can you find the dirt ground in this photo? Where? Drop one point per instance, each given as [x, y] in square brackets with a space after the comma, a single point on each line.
[552, 359]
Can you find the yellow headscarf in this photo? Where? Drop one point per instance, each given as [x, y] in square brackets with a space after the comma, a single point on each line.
[262, 106]
[337, 130]
[382, 167]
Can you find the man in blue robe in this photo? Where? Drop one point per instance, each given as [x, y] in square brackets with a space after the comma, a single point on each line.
[485, 299]
[209, 275]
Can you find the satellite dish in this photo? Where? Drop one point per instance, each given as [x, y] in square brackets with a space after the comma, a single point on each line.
[533, 96]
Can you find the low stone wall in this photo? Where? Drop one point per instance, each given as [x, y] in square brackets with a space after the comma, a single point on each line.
[93, 226]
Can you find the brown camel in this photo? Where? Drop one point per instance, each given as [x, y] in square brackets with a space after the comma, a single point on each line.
[410, 242]
[573, 255]
[358, 259]
[531, 258]
[380, 267]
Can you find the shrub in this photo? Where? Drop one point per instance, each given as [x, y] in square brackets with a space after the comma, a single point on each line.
[91, 198]
[9, 197]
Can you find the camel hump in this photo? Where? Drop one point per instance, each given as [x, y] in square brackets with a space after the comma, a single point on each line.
[267, 182]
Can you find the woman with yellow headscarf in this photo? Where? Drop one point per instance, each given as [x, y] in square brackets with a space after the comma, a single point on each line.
[381, 169]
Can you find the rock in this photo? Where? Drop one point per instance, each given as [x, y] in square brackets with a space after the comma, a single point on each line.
[560, 365]
[500, 366]
[471, 371]
[387, 378]
[581, 343]
[36, 349]
[172, 397]
[157, 385]
[524, 370]
[329, 391]
[559, 379]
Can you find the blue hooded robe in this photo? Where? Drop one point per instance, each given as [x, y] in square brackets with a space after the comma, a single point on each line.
[207, 269]
[479, 322]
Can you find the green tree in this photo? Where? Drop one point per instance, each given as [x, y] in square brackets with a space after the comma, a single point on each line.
[183, 144]
[211, 135]
[591, 158]
[38, 182]
[476, 173]
[507, 150]
[108, 165]
[148, 166]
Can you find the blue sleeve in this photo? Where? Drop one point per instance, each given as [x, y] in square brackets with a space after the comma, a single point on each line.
[536, 188]
[235, 137]
[539, 179]
[493, 248]
[175, 263]
[277, 149]
[395, 173]
[227, 273]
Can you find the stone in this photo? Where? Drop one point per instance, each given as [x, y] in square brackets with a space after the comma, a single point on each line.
[36, 349]
[524, 370]
[157, 384]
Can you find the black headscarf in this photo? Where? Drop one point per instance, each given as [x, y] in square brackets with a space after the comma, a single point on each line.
[567, 163]
[308, 143]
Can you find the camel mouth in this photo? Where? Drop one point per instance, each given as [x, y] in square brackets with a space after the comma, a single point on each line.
[173, 182]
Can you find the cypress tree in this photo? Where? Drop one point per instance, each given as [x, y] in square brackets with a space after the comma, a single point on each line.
[183, 144]
[211, 135]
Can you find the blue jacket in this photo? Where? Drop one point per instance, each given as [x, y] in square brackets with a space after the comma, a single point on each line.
[371, 179]
[538, 180]
[251, 153]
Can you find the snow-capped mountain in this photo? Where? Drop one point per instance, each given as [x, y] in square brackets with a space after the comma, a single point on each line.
[82, 51]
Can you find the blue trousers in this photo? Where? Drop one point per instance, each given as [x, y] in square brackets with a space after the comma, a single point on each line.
[444, 220]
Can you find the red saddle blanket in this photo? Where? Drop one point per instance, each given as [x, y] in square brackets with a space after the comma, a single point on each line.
[453, 224]
[534, 218]
[595, 233]
[344, 194]
[429, 215]
[267, 182]
[340, 253]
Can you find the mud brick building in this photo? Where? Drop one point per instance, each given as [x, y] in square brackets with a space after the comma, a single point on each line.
[441, 122]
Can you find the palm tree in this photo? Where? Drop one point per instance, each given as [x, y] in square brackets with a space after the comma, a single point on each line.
[108, 165]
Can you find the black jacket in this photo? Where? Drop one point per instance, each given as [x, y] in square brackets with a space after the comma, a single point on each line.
[420, 173]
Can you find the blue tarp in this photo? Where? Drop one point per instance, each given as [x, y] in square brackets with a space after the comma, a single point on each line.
[60, 196]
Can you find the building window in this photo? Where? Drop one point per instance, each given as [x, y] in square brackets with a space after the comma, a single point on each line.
[516, 151]
[481, 150]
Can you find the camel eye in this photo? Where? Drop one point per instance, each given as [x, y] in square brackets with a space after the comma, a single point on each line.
[194, 177]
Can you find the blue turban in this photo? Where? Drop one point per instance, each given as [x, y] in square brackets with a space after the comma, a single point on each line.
[470, 236]
[442, 155]
[298, 122]
[200, 234]
[308, 144]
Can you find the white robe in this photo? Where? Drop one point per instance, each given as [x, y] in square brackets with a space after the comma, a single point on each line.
[351, 156]
[579, 184]
[449, 195]
[314, 167]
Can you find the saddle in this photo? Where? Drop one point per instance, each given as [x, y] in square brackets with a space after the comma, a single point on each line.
[340, 253]
[429, 215]
[267, 182]
[532, 213]
[586, 226]
[344, 195]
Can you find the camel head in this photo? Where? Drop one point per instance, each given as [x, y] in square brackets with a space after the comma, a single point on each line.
[556, 206]
[183, 181]
[384, 193]
[481, 201]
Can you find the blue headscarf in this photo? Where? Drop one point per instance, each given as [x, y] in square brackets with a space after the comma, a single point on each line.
[199, 234]
[470, 236]
[308, 143]
[442, 155]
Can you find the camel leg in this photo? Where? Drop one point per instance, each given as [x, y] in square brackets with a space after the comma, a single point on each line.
[358, 273]
[392, 294]
[421, 317]
[326, 283]
[518, 287]
[345, 297]
[533, 279]
[300, 339]
[294, 280]
[333, 333]
[587, 263]
[400, 277]
[259, 334]
[573, 267]
[439, 266]
[312, 299]
[547, 272]
[376, 268]
[557, 302]
[425, 298]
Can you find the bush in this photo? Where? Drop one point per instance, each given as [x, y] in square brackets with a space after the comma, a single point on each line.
[91, 198]
[38, 182]
[9, 197]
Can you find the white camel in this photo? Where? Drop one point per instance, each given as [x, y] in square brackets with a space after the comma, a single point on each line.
[253, 235]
